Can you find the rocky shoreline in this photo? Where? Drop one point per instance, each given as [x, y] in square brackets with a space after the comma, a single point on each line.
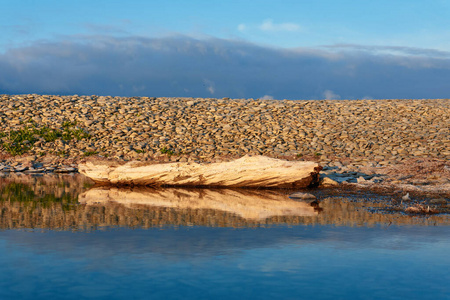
[358, 142]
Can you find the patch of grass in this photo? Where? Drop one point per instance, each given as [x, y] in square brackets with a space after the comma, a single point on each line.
[17, 142]
[68, 124]
[48, 134]
[80, 134]
[166, 151]
[69, 132]
[139, 151]
[89, 153]
[317, 154]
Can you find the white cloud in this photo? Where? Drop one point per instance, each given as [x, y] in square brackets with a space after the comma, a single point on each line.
[138, 88]
[330, 95]
[210, 86]
[268, 25]
[266, 97]
[242, 27]
[391, 50]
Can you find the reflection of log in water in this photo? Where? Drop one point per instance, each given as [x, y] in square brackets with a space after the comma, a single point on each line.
[246, 204]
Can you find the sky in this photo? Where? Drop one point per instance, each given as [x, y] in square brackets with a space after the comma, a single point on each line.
[323, 49]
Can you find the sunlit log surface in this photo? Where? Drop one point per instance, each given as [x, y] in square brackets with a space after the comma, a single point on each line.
[248, 171]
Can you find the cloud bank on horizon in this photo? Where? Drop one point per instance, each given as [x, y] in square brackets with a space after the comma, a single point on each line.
[182, 66]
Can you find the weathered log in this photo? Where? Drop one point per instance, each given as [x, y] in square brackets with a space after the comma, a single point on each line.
[249, 204]
[248, 171]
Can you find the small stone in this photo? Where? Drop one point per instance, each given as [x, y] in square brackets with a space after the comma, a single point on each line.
[439, 201]
[406, 177]
[406, 197]
[361, 179]
[65, 170]
[328, 182]
[302, 196]
[20, 169]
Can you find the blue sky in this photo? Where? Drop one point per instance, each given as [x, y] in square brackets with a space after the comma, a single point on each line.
[341, 49]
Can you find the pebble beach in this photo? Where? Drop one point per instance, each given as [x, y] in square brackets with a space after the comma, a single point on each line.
[44, 133]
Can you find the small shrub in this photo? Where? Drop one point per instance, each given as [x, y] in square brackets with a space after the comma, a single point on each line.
[80, 134]
[89, 153]
[18, 142]
[68, 124]
[48, 134]
[76, 133]
[166, 151]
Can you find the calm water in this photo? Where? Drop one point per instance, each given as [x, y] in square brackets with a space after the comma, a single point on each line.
[59, 239]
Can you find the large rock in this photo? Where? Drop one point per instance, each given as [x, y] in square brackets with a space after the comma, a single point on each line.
[248, 171]
[249, 204]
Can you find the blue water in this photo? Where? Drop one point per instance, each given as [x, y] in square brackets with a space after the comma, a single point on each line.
[279, 262]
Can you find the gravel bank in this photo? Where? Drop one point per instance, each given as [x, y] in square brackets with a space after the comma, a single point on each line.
[41, 133]
[381, 131]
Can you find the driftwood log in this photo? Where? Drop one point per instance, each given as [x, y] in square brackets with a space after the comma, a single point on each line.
[248, 171]
[249, 204]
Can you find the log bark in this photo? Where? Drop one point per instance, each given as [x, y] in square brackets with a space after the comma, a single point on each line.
[248, 171]
[249, 204]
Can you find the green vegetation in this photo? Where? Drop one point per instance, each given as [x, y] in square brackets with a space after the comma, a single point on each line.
[17, 142]
[62, 153]
[317, 154]
[166, 151]
[69, 132]
[48, 134]
[89, 153]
